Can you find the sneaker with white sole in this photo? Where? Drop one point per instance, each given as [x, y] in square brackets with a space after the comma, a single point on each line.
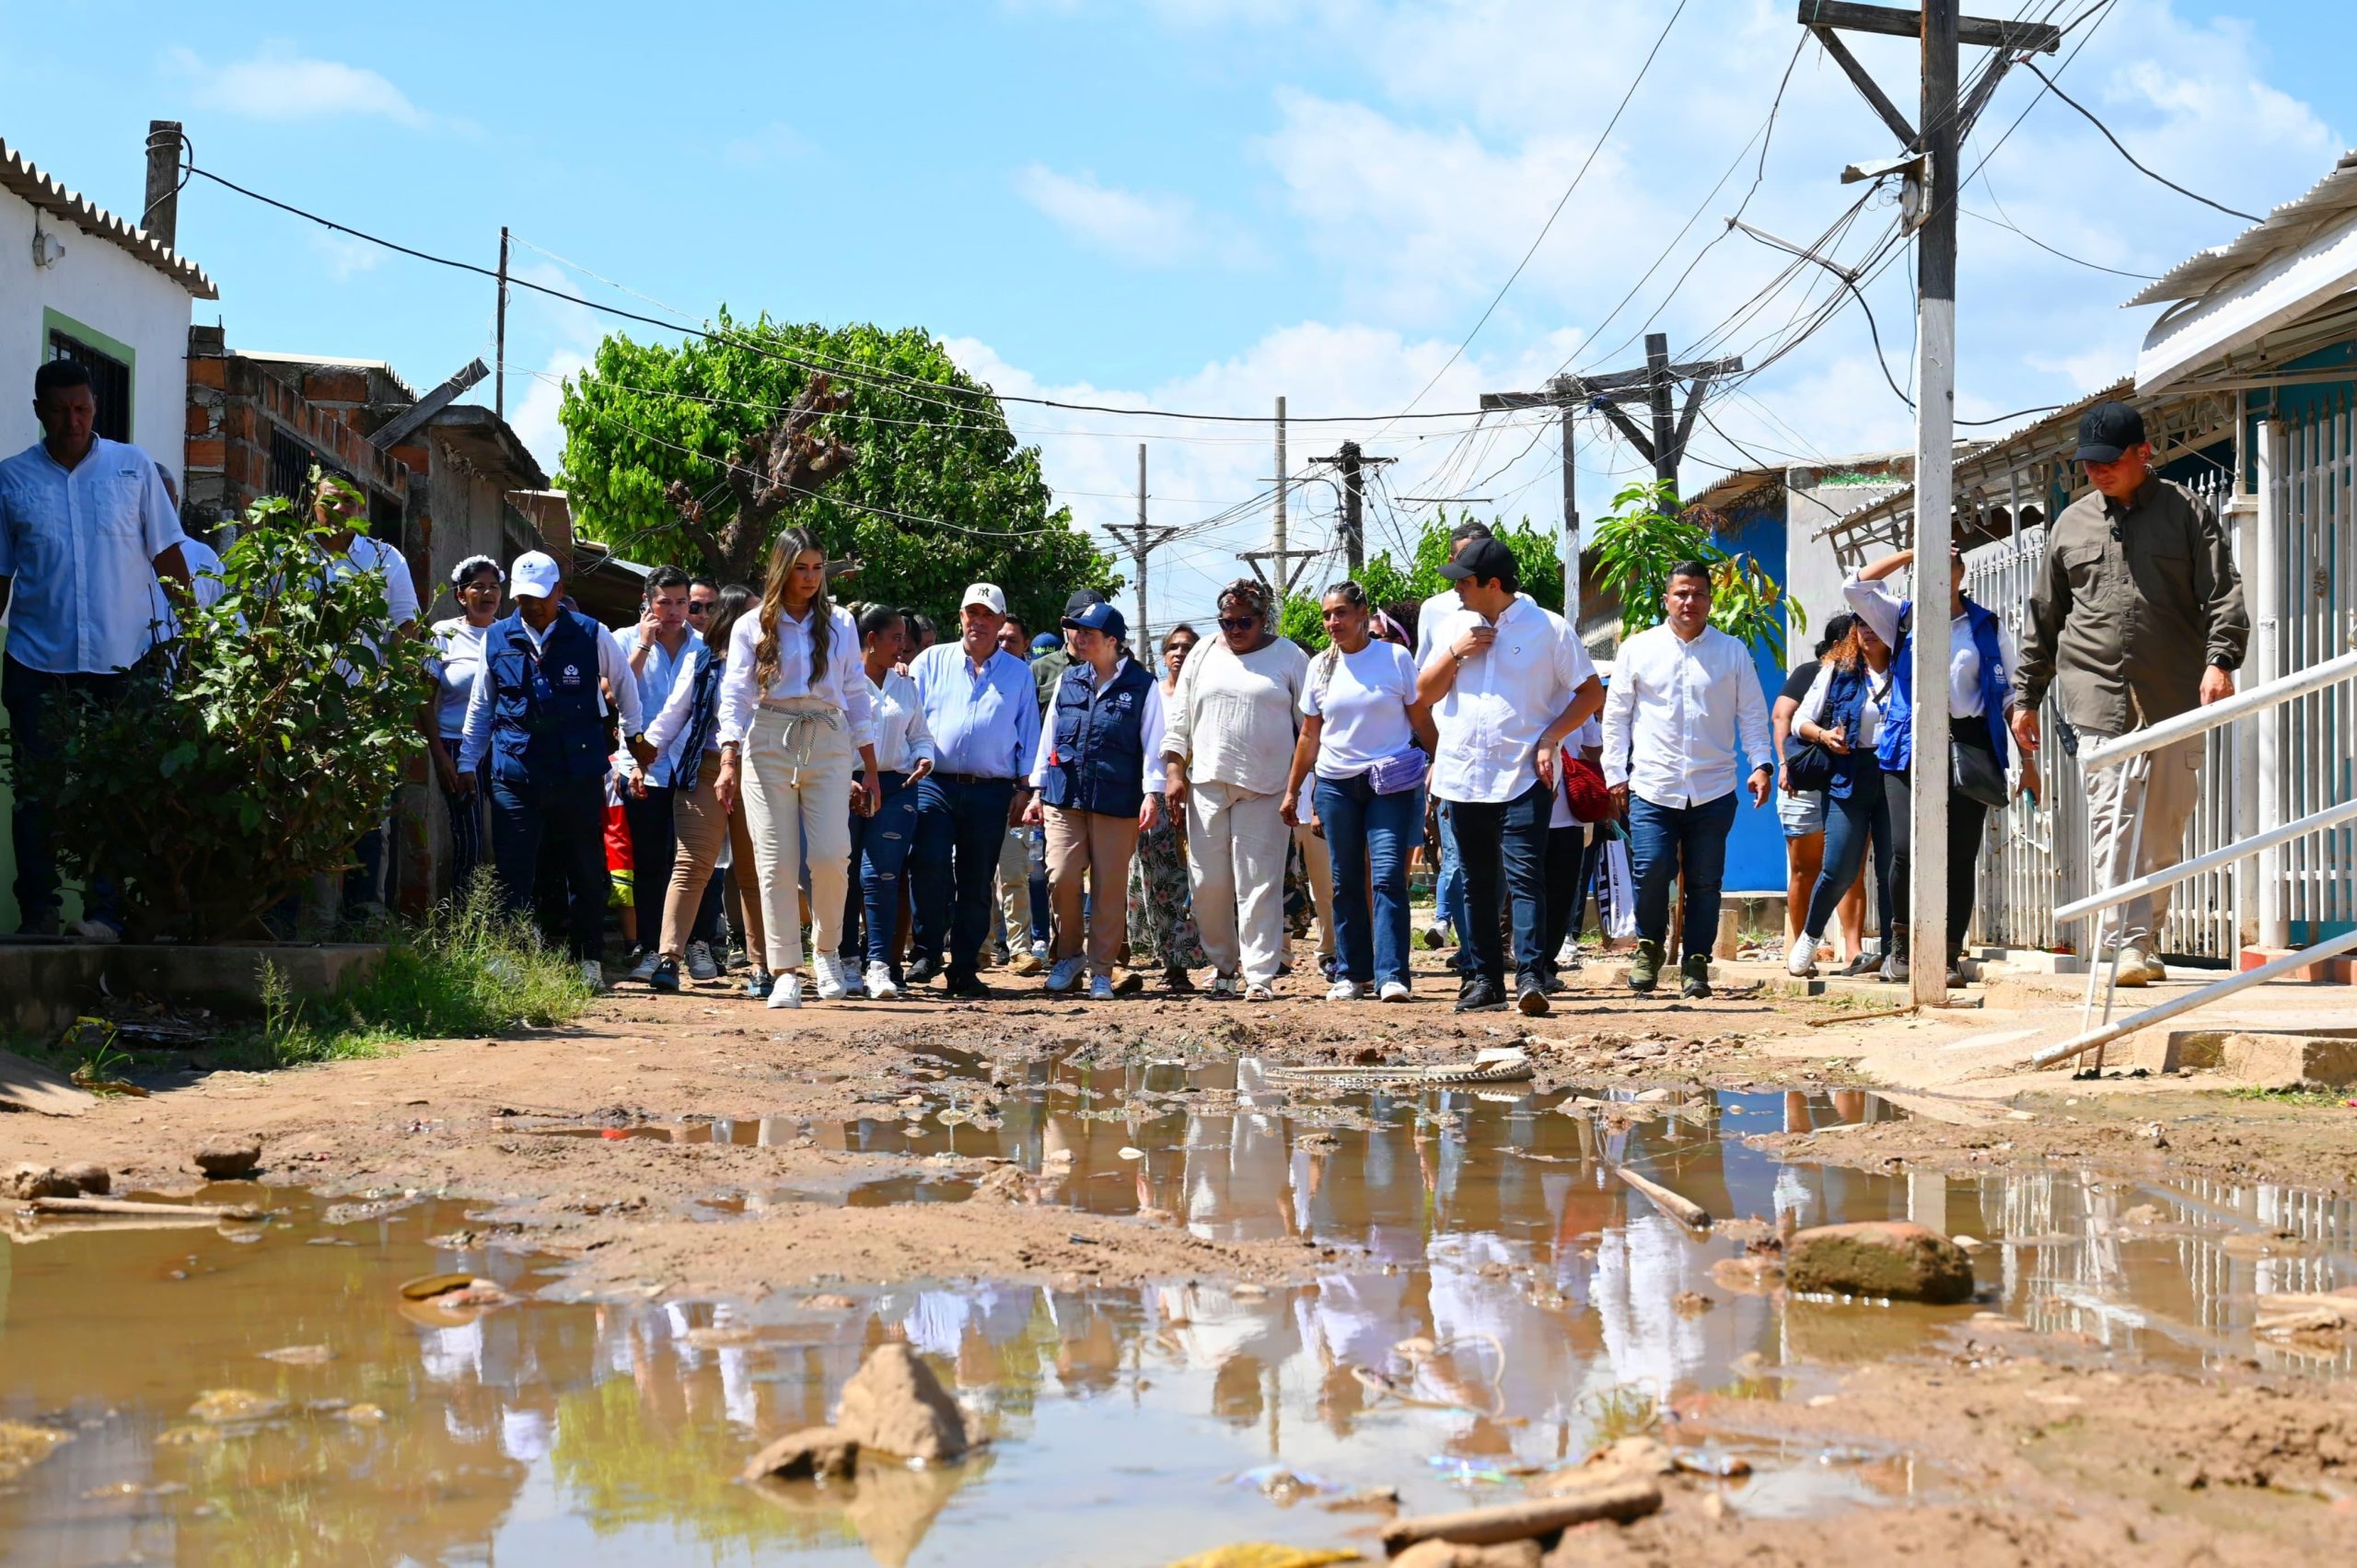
[787, 991]
[701, 967]
[2136, 967]
[94, 931]
[880, 983]
[1260, 991]
[593, 974]
[758, 985]
[830, 969]
[1801, 963]
[854, 977]
[1346, 991]
[1394, 991]
[1100, 988]
[642, 968]
[1066, 973]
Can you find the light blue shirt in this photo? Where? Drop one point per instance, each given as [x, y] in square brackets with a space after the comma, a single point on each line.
[80, 547]
[661, 673]
[984, 722]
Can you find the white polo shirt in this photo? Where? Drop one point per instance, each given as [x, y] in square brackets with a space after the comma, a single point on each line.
[79, 548]
[1503, 700]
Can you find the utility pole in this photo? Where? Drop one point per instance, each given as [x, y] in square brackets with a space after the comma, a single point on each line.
[1353, 461]
[1663, 446]
[161, 216]
[1281, 578]
[1932, 175]
[499, 388]
[1146, 542]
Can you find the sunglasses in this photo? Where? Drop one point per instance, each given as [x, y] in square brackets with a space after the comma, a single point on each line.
[699, 608]
[1238, 622]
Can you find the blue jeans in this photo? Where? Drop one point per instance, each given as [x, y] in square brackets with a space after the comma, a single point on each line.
[879, 848]
[1664, 839]
[559, 824]
[1850, 826]
[1503, 848]
[961, 823]
[1367, 838]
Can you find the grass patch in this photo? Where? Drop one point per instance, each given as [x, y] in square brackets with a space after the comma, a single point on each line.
[2312, 1097]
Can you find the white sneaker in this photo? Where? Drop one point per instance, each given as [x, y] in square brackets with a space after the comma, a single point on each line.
[699, 962]
[830, 967]
[1346, 991]
[643, 971]
[94, 931]
[880, 983]
[787, 991]
[1039, 951]
[1394, 991]
[593, 974]
[854, 979]
[1066, 973]
[1801, 963]
[1101, 989]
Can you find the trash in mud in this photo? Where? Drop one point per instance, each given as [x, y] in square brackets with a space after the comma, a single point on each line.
[1282, 1486]
[426, 1286]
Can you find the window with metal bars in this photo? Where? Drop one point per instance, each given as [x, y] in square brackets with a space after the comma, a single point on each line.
[110, 382]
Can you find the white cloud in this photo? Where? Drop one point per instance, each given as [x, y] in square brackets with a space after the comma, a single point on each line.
[345, 256]
[773, 144]
[278, 83]
[1149, 229]
[534, 418]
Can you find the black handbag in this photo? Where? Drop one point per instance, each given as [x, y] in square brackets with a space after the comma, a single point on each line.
[1808, 770]
[1974, 773]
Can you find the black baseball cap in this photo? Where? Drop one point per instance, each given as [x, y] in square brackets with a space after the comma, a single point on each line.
[1483, 560]
[1082, 600]
[2107, 430]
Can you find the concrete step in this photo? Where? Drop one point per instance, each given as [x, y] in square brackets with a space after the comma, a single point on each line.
[2260, 1058]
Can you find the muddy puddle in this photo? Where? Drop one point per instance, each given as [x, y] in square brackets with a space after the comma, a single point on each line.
[1493, 1304]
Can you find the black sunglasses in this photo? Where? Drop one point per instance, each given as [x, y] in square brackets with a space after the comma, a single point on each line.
[698, 609]
[1238, 622]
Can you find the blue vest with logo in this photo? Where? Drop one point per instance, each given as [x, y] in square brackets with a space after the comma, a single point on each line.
[1845, 701]
[1100, 759]
[546, 724]
[1896, 747]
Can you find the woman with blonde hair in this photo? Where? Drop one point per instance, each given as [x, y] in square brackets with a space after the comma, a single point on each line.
[794, 720]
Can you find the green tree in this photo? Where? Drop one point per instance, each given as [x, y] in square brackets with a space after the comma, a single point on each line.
[1389, 581]
[872, 439]
[1646, 533]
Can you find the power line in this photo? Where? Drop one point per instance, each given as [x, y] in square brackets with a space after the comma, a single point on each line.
[2139, 166]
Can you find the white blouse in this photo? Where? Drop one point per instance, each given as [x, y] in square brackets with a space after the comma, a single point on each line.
[902, 739]
[842, 683]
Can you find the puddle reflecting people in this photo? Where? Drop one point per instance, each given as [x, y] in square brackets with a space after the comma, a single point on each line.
[794, 720]
[1099, 783]
[1162, 913]
[458, 642]
[880, 843]
[537, 720]
[982, 712]
[660, 649]
[686, 733]
[1367, 739]
[1841, 716]
[2137, 616]
[1684, 700]
[1225, 756]
[1980, 663]
[1507, 682]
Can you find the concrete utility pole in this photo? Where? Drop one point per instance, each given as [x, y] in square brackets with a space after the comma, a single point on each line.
[1281, 577]
[1351, 460]
[499, 388]
[1932, 175]
[161, 216]
[1663, 446]
[1146, 542]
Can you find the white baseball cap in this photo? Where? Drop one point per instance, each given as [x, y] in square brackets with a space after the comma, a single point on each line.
[988, 595]
[536, 573]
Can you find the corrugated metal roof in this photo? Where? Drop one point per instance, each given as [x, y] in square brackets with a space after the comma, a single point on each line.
[18, 174]
[2329, 201]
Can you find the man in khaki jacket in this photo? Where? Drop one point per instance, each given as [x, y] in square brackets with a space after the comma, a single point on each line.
[2137, 617]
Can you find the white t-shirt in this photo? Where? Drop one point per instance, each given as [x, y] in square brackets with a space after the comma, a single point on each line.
[1363, 698]
[458, 661]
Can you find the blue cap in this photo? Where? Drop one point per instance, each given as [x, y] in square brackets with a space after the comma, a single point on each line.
[1099, 617]
[1046, 642]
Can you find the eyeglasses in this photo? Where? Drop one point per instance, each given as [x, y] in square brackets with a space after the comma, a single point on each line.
[1238, 622]
[699, 608]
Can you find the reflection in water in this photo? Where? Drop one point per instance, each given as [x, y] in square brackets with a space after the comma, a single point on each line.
[1492, 1295]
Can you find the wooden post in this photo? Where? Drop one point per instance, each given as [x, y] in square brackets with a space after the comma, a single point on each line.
[1666, 453]
[499, 387]
[1571, 528]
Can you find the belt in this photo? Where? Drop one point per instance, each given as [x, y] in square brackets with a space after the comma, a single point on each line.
[970, 778]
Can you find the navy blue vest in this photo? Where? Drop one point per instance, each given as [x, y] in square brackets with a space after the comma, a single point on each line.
[546, 726]
[1100, 759]
[1845, 701]
[1896, 747]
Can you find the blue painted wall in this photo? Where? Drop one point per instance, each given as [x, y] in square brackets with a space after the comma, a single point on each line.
[1755, 850]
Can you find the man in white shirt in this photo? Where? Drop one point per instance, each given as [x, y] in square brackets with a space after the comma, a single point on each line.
[85, 530]
[1507, 682]
[1684, 696]
[659, 649]
[1448, 886]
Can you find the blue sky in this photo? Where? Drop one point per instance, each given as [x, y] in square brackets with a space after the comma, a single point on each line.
[1193, 204]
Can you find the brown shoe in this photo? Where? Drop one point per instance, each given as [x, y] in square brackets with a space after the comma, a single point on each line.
[1030, 964]
[1127, 983]
[1178, 982]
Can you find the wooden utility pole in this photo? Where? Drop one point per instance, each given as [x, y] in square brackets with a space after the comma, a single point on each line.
[1144, 544]
[1934, 175]
[499, 389]
[1663, 446]
[1351, 460]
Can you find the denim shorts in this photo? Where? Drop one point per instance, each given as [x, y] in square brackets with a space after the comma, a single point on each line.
[1800, 814]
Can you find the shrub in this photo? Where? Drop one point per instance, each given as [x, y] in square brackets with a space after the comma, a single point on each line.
[251, 750]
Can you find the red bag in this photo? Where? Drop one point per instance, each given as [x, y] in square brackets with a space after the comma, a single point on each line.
[1585, 791]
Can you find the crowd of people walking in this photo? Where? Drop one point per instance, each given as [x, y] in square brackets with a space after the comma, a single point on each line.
[1088, 809]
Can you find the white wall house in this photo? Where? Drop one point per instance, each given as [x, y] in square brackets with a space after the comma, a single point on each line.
[77, 279]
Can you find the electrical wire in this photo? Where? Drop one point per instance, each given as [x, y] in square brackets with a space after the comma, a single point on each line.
[2140, 166]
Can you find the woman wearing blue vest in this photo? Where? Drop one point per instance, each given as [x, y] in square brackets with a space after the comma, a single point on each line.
[537, 719]
[1842, 712]
[1979, 677]
[1099, 784]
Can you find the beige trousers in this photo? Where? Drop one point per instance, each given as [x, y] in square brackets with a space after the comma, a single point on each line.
[1320, 868]
[701, 827]
[1015, 890]
[797, 804]
[1098, 847]
[2164, 801]
[1235, 865]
